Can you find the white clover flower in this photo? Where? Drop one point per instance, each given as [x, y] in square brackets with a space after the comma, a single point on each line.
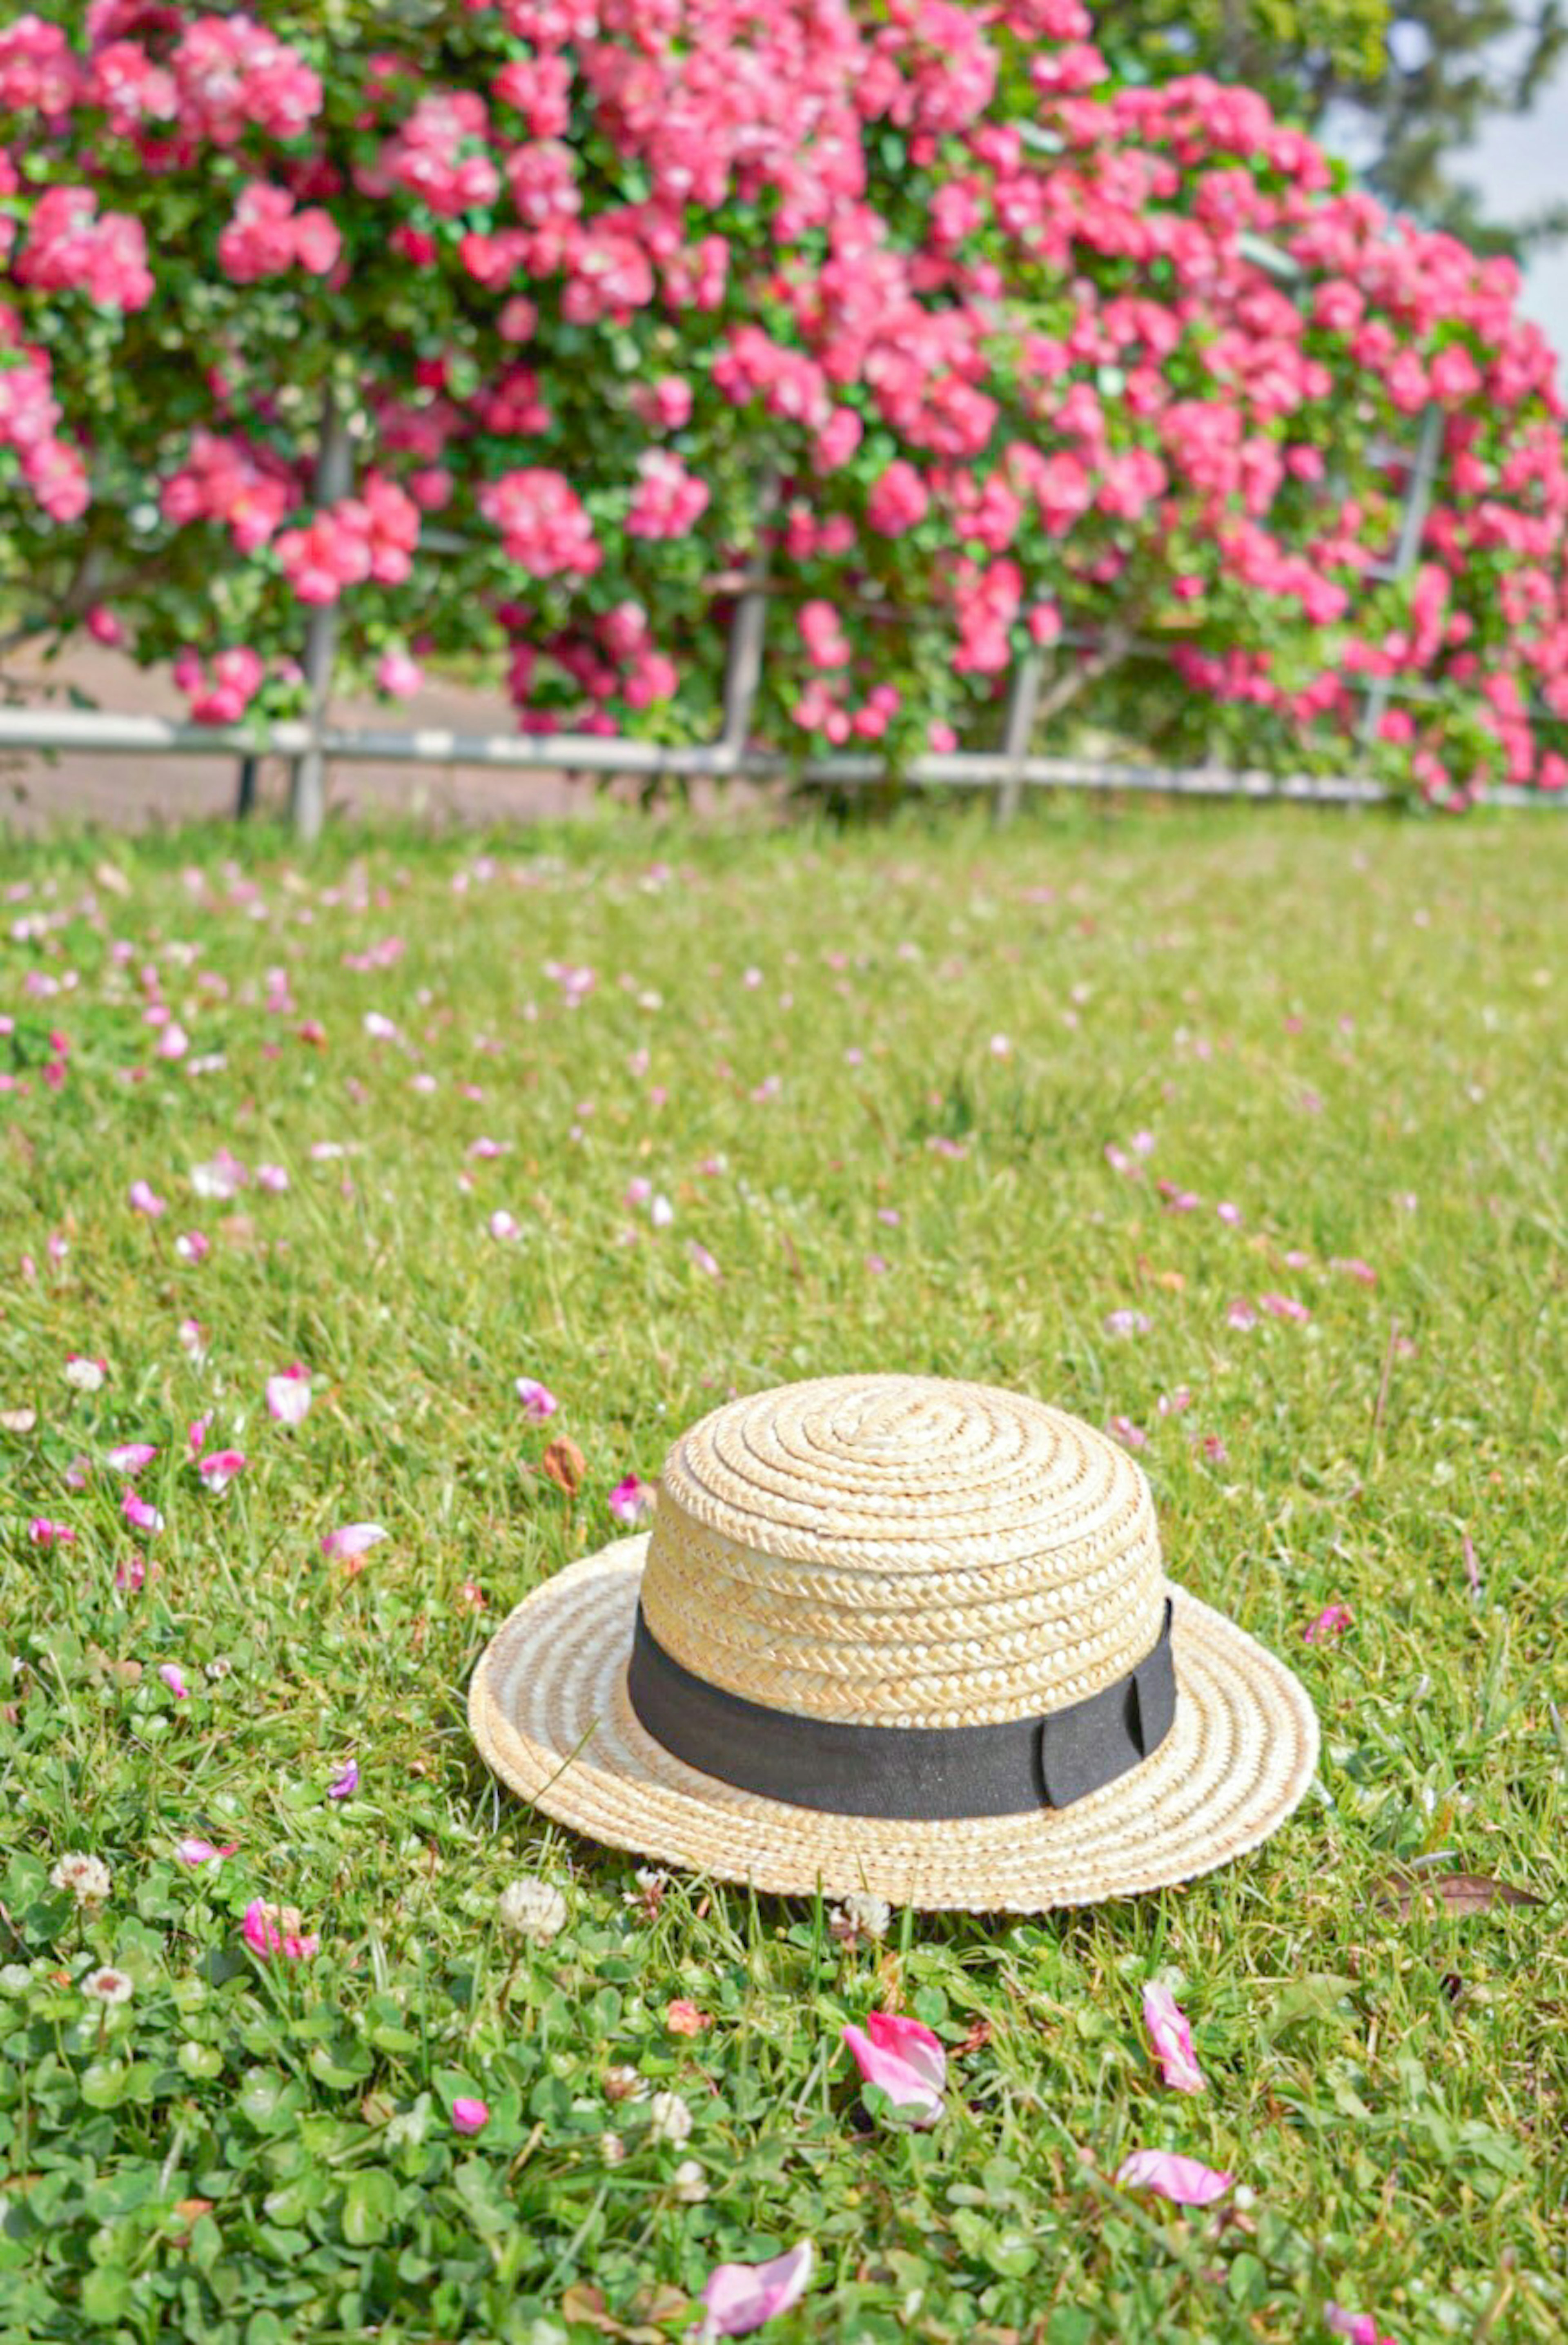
[860, 1917]
[690, 2182]
[670, 2119]
[218, 1667]
[612, 2148]
[407, 2130]
[87, 1878]
[533, 1908]
[108, 1985]
[623, 2083]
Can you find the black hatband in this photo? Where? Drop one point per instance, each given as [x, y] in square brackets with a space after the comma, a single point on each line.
[920, 1774]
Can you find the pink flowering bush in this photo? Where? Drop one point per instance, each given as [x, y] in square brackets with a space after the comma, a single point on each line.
[623, 301]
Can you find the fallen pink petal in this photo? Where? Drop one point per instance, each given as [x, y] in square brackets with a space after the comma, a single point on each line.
[143, 1199]
[219, 1467]
[740, 2298]
[470, 2116]
[193, 1851]
[269, 1930]
[1185, 2181]
[1332, 1621]
[1171, 2036]
[351, 1540]
[905, 2060]
[289, 1396]
[631, 1501]
[173, 1678]
[344, 1785]
[538, 1401]
[1284, 1306]
[138, 1513]
[131, 1457]
[1361, 2328]
[45, 1532]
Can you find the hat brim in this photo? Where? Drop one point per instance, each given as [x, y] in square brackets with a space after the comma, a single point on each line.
[548, 1709]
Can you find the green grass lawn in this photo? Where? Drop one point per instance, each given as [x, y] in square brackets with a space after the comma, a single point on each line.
[876, 1076]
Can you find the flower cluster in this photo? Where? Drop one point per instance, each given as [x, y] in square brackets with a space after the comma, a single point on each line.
[914, 307]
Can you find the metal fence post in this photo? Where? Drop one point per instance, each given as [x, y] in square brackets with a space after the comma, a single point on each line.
[1413, 522]
[1023, 699]
[245, 793]
[743, 652]
[307, 786]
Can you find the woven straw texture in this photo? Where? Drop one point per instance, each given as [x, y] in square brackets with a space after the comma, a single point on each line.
[903, 1551]
[895, 1550]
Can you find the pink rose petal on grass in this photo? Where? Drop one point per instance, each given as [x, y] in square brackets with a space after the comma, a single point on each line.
[289, 1396]
[740, 2297]
[538, 1401]
[470, 2116]
[1172, 2039]
[1240, 1313]
[270, 1930]
[193, 1851]
[631, 1500]
[1284, 1306]
[191, 1246]
[1185, 2181]
[169, 1672]
[142, 1200]
[351, 1540]
[503, 1225]
[131, 1457]
[45, 1532]
[1332, 1621]
[138, 1513]
[344, 1785]
[1359, 2327]
[905, 2060]
[221, 1466]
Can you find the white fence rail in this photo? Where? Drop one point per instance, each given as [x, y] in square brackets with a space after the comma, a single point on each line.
[1004, 771]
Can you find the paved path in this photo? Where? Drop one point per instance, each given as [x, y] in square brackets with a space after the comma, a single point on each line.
[131, 790]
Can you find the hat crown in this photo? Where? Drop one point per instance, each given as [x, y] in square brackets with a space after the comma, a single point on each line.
[903, 1551]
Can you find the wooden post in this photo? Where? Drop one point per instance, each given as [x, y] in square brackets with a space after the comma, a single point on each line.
[306, 787]
[1023, 699]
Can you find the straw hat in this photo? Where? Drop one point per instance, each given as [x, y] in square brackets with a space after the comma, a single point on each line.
[902, 1636]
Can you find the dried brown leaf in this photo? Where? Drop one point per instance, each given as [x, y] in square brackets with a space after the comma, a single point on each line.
[565, 1464]
[1456, 1893]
